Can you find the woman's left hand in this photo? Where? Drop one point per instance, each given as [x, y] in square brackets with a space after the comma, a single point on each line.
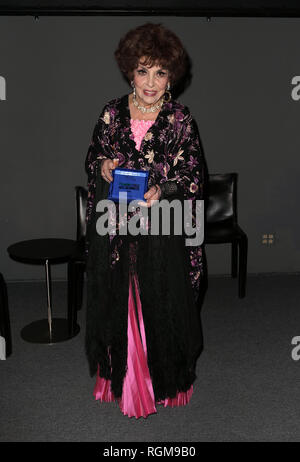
[153, 194]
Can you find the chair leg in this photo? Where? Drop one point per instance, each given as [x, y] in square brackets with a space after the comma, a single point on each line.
[243, 254]
[234, 259]
[72, 305]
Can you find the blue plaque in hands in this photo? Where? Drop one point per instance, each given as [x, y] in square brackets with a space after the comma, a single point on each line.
[133, 182]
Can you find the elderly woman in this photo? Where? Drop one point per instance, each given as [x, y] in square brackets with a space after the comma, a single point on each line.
[143, 328]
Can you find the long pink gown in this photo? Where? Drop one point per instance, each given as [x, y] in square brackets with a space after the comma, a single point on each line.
[137, 398]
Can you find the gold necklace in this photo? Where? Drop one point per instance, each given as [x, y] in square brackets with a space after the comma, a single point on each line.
[143, 109]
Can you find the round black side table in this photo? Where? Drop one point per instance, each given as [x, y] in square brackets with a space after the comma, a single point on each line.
[48, 251]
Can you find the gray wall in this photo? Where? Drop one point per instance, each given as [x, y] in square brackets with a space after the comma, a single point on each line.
[60, 71]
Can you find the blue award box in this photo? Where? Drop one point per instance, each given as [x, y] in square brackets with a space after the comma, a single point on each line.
[133, 182]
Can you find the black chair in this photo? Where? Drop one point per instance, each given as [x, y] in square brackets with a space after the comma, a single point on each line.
[77, 265]
[5, 330]
[221, 227]
[221, 223]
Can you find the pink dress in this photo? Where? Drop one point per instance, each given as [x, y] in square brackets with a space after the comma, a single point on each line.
[137, 395]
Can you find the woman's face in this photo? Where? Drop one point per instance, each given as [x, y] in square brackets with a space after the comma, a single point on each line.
[154, 79]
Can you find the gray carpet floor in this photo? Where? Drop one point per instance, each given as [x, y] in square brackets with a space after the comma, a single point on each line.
[247, 386]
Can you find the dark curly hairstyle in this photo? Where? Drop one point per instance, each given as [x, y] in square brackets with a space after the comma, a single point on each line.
[159, 45]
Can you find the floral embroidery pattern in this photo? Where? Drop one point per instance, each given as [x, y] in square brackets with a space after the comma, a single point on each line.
[150, 156]
[168, 147]
[178, 157]
[106, 117]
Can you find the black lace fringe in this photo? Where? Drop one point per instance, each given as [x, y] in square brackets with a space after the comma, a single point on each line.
[171, 317]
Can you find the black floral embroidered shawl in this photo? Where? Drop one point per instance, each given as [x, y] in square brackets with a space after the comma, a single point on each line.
[169, 273]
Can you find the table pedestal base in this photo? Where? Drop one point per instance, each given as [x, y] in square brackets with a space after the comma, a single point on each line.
[38, 331]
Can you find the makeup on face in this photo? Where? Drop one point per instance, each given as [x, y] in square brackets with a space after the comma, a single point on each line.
[150, 83]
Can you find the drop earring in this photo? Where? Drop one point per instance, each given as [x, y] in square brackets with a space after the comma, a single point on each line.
[169, 94]
[133, 86]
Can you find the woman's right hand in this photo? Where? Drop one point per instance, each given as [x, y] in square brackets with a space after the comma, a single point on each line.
[107, 165]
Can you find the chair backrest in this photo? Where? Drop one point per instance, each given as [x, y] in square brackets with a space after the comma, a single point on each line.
[221, 198]
[81, 203]
[221, 201]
